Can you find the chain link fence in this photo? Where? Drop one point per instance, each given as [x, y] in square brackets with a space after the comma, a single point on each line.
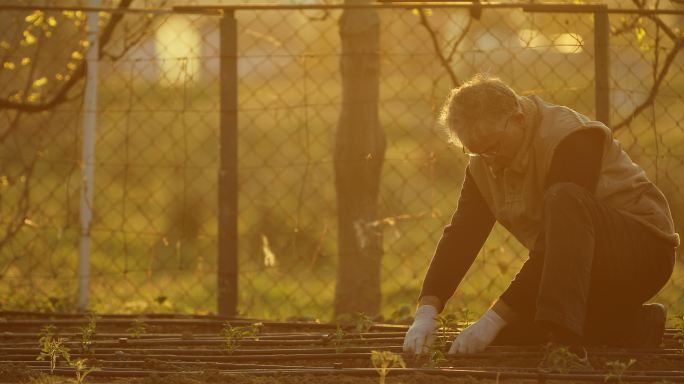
[154, 232]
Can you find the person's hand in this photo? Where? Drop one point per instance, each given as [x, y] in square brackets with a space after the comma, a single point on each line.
[420, 335]
[477, 336]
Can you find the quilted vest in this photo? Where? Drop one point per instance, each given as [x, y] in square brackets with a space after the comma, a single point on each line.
[515, 195]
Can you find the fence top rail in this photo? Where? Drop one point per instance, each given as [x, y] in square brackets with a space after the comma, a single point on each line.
[398, 4]
[219, 9]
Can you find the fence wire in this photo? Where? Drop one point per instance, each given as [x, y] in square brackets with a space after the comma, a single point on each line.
[154, 236]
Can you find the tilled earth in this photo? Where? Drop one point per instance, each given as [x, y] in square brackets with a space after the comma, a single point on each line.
[174, 349]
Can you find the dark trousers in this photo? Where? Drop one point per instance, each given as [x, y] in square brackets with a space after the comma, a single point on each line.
[590, 271]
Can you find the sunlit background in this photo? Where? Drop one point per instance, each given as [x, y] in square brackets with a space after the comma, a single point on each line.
[154, 232]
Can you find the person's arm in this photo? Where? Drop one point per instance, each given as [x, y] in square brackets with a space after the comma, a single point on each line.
[456, 250]
[577, 160]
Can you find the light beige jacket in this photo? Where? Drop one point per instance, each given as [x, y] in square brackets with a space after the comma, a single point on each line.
[515, 195]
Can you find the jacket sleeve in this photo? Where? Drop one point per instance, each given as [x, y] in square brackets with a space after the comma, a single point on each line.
[577, 160]
[460, 243]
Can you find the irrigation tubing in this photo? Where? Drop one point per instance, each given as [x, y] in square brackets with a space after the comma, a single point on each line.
[673, 376]
[9, 323]
[249, 368]
[320, 356]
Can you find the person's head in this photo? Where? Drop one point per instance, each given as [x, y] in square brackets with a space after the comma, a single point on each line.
[484, 117]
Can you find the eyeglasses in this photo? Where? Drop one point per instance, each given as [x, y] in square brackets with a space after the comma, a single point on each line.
[492, 152]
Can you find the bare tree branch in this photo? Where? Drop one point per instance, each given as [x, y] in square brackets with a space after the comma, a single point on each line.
[79, 72]
[22, 205]
[678, 45]
[656, 19]
[133, 39]
[656, 86]
[459, 40]
[21, 214]
[32, 69]
[627, 26]
[444, 60]
[130, 42]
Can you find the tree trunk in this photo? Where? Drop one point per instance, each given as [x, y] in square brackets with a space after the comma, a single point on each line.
[359, 155]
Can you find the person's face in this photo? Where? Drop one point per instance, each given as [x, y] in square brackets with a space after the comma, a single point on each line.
[497, 146]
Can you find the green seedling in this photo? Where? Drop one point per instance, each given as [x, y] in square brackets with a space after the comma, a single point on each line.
[434, 357]
[256, 329]
[82, 369]
[137, 328]
[383, 361]
[363, 322]
[338, 339]
[47, 333]
[233, 336]
[52, 350]
[560, 360]
[616, 369]
[445, 325]
[87, 334]
[466, 316]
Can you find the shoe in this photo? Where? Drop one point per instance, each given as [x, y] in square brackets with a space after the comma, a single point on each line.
[559, 358]
[650, 326]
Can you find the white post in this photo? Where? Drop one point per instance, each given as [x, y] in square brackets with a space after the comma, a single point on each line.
[88, 159]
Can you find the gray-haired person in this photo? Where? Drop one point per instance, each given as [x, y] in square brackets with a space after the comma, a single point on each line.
[600, 234]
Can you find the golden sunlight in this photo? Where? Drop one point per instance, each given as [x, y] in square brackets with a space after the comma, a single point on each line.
[177, 45]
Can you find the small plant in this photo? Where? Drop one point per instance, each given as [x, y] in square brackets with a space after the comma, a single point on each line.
[82, 369]
[52, 349]
[465, 316]
[87, 333]
[47, 333]
[560, 359]
[338, 339]
[256, 328]
[434, 357]
[363, 322]
[445, 324]
[137, 328]
[383, 361]
[616, 369]
[233, 336]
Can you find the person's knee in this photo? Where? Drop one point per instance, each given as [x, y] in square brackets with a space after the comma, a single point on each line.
[564, 194]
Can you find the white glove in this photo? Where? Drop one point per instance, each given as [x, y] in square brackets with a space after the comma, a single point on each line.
[477, 336]
[421, 334]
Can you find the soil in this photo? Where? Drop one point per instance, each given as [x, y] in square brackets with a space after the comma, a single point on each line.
[192, 350]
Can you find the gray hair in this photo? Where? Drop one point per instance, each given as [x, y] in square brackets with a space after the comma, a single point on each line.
[481, 102]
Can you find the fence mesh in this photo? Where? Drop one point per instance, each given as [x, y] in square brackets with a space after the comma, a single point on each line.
[153, 238]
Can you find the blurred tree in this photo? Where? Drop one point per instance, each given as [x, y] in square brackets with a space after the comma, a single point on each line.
[359, 156]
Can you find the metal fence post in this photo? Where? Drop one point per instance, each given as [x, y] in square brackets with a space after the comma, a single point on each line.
[602, 65]
[88, 156]
[228, 172]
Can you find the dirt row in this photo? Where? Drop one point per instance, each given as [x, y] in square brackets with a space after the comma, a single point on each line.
[55, 348]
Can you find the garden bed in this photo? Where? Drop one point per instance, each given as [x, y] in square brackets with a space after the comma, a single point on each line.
[204, 349]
